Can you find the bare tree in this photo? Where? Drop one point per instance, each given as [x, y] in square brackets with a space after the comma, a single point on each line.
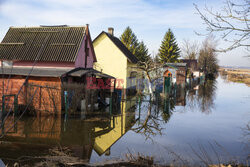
[207, 61]
[189, 49]
[232, 23]
[150, 125]
[152, 71]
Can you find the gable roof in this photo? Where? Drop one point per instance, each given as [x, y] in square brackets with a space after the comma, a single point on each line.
[56, 43]
[120, 45]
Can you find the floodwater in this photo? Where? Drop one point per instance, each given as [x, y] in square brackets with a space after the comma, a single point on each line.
[205, 124]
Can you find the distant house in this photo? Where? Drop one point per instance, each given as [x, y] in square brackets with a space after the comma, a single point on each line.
[192, 64]
[178, 72]
[115, 59]
[34, 59]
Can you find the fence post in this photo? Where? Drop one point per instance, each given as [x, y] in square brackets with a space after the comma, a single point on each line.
[66, 105]
[15, 104]
[139, 104]
[111, 103]
[3, 105]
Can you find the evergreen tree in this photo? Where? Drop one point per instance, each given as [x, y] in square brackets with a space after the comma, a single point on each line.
[142, 52]
[138, 49]
[169, 51]
[130, 40]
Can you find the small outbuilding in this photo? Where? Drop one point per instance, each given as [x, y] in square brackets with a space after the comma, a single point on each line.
[35, 62]
[178, 72]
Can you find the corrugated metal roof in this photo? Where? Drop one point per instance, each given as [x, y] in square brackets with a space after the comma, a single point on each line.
[40, 72]
[24, 43]
[175, 64]
[79, 72]
[51, 72]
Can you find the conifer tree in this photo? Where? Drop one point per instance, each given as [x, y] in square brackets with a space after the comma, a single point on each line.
[169, 51]
[142, 52]
[130, 40]
[138, 49]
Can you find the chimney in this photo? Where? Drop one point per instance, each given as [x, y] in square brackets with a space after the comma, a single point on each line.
[111, 31]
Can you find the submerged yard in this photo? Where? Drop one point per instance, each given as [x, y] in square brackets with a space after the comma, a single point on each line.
[206, 124]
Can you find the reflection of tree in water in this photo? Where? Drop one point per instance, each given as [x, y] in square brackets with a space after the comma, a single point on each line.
[166, 106]
[206, 96]
[191, 98]
[202, 99]
[152, 114]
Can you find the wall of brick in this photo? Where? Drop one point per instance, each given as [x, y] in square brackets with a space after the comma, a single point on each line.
[12, 86]
[43, 94]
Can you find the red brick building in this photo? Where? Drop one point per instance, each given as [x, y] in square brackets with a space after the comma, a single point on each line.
[33, 59]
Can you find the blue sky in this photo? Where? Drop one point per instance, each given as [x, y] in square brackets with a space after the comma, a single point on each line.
[149, 19]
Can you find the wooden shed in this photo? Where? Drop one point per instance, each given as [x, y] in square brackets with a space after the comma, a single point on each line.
[178, 71]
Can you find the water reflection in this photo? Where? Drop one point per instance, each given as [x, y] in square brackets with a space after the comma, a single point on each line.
[99, 133]
[206, 96]
[202, 96]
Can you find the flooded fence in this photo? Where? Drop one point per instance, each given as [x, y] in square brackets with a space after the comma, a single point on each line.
[33, 96]
[78, 99]
[52, 98]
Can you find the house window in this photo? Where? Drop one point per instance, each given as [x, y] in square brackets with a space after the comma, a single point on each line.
[133, 74]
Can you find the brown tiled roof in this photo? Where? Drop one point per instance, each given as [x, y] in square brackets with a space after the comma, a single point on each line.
[121, 46]
[60, 43]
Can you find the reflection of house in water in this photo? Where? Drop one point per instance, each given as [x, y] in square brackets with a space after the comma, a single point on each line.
[120, 125]
[180, 97]
[81, 136]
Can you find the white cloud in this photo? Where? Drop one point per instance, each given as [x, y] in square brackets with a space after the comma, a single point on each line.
[95, 10]
[149, 21]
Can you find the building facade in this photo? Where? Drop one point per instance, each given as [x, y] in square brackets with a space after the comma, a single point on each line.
[115, 59]
[33, 59]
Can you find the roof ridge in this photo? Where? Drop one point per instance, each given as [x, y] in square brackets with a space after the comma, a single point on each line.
[131, 57]
[52, 26]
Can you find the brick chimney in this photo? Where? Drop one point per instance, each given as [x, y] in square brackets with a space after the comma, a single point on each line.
[111, 31]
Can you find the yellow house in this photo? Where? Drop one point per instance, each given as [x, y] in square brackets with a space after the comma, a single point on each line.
[119, 126]
[113, 58]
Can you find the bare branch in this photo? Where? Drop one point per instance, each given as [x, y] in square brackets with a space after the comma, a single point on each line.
[232, 23]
